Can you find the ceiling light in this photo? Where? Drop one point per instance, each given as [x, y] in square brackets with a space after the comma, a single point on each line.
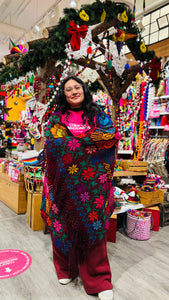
[37, 28]
[72, 3]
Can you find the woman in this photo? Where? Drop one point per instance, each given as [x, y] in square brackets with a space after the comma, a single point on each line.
[81, 143]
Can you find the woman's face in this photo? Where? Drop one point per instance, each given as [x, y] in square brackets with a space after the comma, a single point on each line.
[74, 93]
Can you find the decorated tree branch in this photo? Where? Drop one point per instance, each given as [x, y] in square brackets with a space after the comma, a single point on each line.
[73, 41]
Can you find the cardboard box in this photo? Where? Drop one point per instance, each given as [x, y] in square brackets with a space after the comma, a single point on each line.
[111, 233]
[155, 217]
[34, 218]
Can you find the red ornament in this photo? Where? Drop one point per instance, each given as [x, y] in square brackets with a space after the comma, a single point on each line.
[89, 50]
[77, 33]
[155, 67]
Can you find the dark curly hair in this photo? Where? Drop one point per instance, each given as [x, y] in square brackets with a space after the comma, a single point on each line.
[88, 106]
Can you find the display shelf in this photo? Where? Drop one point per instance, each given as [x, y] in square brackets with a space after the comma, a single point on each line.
[155, 98]
[156, 127]
[126, 207]
[125, 151]
[128, 173]
[164, 113]
[164, 97]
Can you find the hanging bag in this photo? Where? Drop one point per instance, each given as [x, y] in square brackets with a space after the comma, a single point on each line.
[138, 225]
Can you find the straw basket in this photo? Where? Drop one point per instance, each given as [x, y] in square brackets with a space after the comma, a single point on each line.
[138, 228]
[135, 165]
[33, 178]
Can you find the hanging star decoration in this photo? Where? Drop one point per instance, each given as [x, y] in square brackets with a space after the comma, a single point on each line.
[5, 110]
[120, 37]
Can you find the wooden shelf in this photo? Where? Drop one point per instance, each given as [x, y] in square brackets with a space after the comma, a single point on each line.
[156, 127]
[125, 151]
[128, 173]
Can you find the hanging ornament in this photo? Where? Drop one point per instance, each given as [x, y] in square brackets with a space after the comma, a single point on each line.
[155, 69]
[83, 15]
[127, 66]
[109, 65]
[120, 35]
[144, 6]
[134, 11]
[103, 16]
[143, 48]
[89, 49]
[17, 48]
[77, 33]
[31, 80]
[119, 46]
[83, 49]
[124, 17]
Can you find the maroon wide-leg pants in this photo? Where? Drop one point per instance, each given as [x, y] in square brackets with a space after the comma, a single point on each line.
[94, 269]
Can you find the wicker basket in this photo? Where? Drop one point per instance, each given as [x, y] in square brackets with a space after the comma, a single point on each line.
[135, 165]
[33, 178]
[138, 228]
[150, 198]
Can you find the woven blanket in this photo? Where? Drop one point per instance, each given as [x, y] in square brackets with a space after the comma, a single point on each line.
[78, 194]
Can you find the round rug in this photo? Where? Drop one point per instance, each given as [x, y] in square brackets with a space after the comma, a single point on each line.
[13, 262]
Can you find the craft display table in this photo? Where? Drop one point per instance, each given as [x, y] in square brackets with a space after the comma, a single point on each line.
[13, 194]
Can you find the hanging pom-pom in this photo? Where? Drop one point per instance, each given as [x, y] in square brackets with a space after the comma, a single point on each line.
[127, 66]
[109, 65]
[89, 49]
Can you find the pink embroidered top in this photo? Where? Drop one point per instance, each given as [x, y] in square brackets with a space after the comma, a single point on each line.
[74, 122]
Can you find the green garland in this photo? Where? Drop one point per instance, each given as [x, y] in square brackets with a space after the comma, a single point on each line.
[54, 48]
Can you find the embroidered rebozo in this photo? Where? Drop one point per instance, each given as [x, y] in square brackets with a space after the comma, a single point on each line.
[78, 197]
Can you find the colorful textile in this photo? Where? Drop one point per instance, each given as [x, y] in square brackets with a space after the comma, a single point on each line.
[78, 197]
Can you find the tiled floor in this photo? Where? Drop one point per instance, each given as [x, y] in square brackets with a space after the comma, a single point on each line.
[140, 269]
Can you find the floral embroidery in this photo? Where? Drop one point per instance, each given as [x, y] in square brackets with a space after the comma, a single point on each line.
[55, 208]
[67, 158]
[103, 178]
[88, 173]
[35, 119]
[91, 150]
[93, 216]
[84, 197]
[99, 201]
[107, 224]
[58, 131]
[57, 225]
[97, 224]
[73, 169]
[74, 202]
[74, 144]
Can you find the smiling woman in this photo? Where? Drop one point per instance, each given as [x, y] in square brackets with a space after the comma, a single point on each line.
[74, 93]
[81, 143]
